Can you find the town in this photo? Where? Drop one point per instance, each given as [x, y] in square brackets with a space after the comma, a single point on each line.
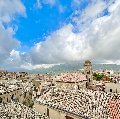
[85, 94]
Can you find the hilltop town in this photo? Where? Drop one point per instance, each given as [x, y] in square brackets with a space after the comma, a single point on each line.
[84, 94]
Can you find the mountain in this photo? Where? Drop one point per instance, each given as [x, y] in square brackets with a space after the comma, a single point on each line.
[74, 66]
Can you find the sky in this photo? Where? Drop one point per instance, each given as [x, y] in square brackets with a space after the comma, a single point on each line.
[43, 33]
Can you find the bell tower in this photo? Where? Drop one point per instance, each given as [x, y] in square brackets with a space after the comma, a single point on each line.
[88, 72]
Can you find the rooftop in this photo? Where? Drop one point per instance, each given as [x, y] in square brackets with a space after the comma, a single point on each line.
[84, 103]
[16, 110]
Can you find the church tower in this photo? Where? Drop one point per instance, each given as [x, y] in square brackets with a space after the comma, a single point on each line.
[88, 72]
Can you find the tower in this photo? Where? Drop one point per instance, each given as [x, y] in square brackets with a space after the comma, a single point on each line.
[88, 72]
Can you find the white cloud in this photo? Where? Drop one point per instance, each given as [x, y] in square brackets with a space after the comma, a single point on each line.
[17, 60]
[63, 45]
[7, 42]
[8, 10]
[29, 66]
[97, 39]
[90, 13]
[15, 55]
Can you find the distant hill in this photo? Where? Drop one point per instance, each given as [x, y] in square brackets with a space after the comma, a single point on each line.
[76, 66]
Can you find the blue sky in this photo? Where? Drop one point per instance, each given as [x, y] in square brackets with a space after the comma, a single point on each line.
[40, 23]
[45, 32]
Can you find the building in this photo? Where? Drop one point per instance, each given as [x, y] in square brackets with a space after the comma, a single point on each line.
[70, 80]
[77, 104]
[88, 73]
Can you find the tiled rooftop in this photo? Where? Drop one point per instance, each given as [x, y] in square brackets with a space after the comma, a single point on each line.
[85, 103]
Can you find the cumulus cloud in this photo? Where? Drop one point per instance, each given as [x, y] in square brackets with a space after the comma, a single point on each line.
[8, 10]
[62, 46]
[7, 42]
[98, 38]
[94, 10]
[91, 34]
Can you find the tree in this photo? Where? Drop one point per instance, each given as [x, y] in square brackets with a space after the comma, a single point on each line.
[97, 76]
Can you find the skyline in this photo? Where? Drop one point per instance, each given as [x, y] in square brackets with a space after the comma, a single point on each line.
[34, 34]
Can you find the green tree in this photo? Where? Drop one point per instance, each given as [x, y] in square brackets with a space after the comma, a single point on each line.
[97, 76]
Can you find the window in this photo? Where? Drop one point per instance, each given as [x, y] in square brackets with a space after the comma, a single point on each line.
[12, 97]
[0, 100]
[88, 72]
[7, 99]
[47, 112]
[86, 84]
[89, 79]
[110, 90]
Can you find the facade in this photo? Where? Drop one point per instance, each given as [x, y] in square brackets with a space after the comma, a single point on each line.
[112, 87]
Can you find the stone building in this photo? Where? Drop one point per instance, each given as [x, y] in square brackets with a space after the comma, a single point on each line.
[14, 94]
[88, 73]
[71, 81]
[16, 91]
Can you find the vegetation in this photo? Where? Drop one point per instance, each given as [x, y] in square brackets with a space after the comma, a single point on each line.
[97, 76]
